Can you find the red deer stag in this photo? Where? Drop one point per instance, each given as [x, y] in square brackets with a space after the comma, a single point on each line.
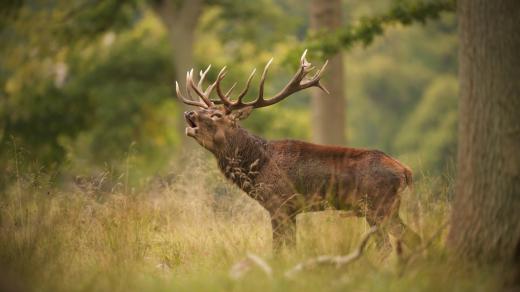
[288, 177]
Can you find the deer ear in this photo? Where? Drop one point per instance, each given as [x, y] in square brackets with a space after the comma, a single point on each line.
[242, 113]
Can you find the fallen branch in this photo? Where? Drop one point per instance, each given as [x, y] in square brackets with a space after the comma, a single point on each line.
[404, 261]
[337, 261]
[242, 267]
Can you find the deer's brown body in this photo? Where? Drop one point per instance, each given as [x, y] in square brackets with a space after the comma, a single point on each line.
[288, 177]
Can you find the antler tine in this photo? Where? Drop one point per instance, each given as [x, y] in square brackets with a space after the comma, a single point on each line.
[224, 98]
[227, 101]
[303, 57]
[185, 100]
[198, 90]
[262, 81]
[209, 89]
[231, 89]
[190, 98]
[243, 93]
[317, 76]
[305, 66]
[296, 83]
[203, 75]
[187, 85]
[204, 100]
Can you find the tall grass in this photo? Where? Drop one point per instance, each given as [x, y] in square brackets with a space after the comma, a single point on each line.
[185, 234]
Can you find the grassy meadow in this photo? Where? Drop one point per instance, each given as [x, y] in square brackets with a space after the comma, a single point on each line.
[97, 192]
[185, 232]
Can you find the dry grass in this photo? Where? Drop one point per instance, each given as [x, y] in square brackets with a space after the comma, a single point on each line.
[186, 233]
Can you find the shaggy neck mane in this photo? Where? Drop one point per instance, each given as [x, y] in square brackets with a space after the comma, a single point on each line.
[241, 158]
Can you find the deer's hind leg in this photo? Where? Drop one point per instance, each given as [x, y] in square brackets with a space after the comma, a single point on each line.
[385, 215]
[284, 231]
[382, 210]
[393, 223]
[381, 237]
[401, 231]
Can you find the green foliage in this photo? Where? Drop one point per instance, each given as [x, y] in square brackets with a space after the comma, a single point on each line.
[280, 123]
[388, 84]
[88, 84]
[435, 120]
[8, 11]
[127, 84]
[404, 12]
[99, 100]
[238, 21]
[87, 19]
[98, 80]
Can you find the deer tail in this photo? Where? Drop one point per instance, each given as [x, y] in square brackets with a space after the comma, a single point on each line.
[408, 178]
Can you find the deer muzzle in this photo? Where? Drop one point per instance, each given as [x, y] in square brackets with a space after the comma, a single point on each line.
[191, 129]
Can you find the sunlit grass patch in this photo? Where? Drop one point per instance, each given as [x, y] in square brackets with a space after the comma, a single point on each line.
[186, 234]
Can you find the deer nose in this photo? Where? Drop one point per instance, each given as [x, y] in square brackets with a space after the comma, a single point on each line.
[189, 114]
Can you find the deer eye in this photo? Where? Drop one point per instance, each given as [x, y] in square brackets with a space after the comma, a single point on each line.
[216, 116]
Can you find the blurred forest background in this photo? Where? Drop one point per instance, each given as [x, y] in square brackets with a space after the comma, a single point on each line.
[87, 86]
[100, 189]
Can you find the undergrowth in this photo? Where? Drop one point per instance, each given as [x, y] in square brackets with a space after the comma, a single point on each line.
[185, 233]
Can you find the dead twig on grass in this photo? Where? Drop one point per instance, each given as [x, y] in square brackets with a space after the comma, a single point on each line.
[338, 261]
[242, 267]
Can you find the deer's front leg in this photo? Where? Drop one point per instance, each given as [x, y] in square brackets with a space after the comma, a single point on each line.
[284, 231]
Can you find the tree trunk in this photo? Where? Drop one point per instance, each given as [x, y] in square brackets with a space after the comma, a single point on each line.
[328, 111]
[180, 21]
[486, 211]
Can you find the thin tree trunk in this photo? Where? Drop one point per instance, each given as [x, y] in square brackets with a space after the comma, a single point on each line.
[486, 210]
[328, 111]
[180, 21]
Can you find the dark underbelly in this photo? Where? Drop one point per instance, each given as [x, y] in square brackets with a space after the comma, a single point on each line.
[333, 191]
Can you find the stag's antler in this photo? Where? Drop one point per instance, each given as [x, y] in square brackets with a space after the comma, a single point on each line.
[297, 83]
[204, 100]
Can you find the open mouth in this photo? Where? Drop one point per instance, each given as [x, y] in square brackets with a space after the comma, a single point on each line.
[189, 121]
[191, 129]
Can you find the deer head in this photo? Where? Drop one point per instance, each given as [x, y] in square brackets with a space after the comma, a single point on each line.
[215, 121]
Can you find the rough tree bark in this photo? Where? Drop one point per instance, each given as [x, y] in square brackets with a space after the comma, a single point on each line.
[486, 210]
[328, 111]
